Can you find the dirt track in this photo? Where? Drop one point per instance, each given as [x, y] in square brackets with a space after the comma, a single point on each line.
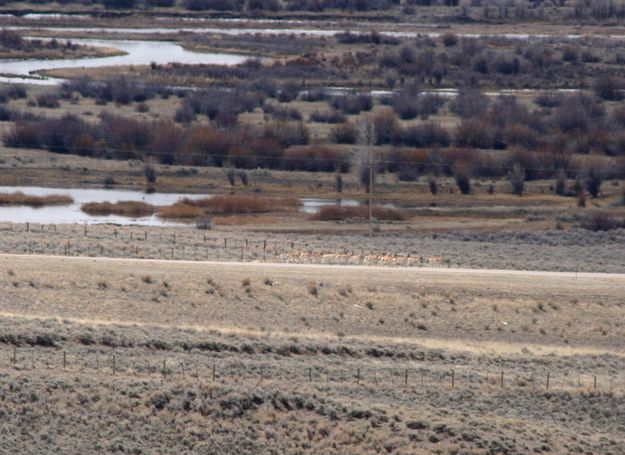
[475, 310]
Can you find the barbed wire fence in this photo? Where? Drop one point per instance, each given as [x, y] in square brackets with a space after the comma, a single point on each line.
[135, 242]
[220, 371]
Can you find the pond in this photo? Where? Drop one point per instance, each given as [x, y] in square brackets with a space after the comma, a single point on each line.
[70, 214]
[137, 53]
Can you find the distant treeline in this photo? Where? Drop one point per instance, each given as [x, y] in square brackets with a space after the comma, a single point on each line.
[283, 145]
[485, 10]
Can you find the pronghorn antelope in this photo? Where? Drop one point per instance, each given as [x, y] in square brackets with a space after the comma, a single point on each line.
[390, 259]
[435, 260]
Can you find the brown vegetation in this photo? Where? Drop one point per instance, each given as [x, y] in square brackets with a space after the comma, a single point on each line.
[226, 205]
[19, 198]
[338, 213]
[238, 204]
[123, 208]
[180, 210]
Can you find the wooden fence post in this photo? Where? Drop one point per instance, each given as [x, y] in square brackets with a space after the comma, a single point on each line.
[547, 380]
[502, 379]
[453, 379]
[213, 372]
[64, 359]
[406, 377]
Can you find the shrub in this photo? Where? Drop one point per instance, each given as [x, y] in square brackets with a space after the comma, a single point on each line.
[449, 40]
[204, 146]
[327, 117]
[424, 135]
[119, 3]
[167, 138]
[315, 159]
[6, 114]
[352, 104]
[517, 179]
[385, 127]
[287, 133]
[433, 185]
[231, 176]
[560, 186]
[314, 95]
[11, 39]
[160, 3]
[143, 108]
[474, 133]
[593, 178]
[48, 100]
[462, 175]
[149, 173]
[469, 103]
[22, 134]
[218, 5]
[338, 183]
[609, 88]
[601, 221]
[244, 177]
[367, 175]
[549, 99]
[282, 113]
[344, 133]
[288, 92]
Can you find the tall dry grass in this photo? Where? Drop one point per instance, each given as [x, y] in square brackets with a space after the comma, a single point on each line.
[19, 198]
[181, 210]
[240, 204]
[123, 208]
[338, 213]
[227, 205]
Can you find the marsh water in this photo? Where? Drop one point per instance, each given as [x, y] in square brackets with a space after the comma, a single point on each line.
[136, 53]
[71, 213]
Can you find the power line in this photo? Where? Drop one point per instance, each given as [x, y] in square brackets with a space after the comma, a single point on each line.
[339, 161]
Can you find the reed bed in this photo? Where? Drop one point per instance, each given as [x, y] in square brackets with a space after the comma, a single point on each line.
[19, 198]
[227, 205]
[122, 208]
[181, 210]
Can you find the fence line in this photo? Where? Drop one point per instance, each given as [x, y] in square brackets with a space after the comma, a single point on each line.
[138, 243]
[412, 378]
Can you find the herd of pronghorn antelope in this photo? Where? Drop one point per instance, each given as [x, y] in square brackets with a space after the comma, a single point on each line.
[351, 258]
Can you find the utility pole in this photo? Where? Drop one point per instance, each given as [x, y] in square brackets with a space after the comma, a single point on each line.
[367, 139]
[370, 191]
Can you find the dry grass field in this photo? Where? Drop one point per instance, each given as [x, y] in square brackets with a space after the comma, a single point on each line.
[151, 356]
[482, 311]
